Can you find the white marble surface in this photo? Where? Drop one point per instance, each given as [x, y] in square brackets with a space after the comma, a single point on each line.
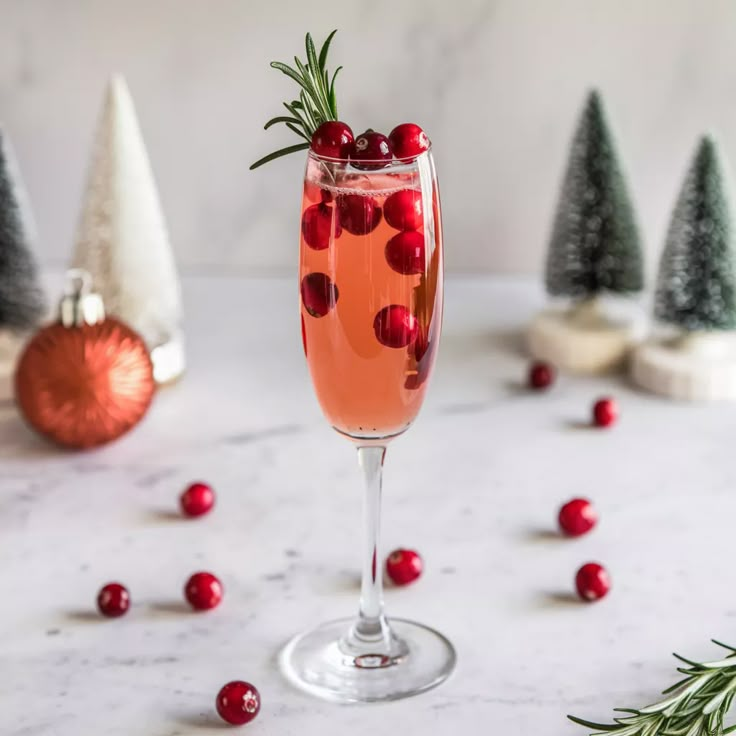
[474, 486]
[496, 83]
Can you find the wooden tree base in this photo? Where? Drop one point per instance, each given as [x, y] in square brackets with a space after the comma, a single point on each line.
[695, 368]
[575, 345]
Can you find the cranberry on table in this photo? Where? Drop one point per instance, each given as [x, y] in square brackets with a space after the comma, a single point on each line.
[395, 326]
[541, 375]
[403, 566]
[403, 210]
[238, 702]
[408, 140]
[405, 252]
[333, 139]
[605, 412]
[113, 600]
[197, 499]
[319, 295]
[371, 151]
[592, 581]
[203, 591]
[577, 517]
[359, 215]
[317, 224]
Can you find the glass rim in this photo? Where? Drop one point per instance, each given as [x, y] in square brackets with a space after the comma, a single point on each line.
[371, 161]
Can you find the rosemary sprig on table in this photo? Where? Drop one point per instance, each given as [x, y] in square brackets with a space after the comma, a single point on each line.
[317, 102]
[695, 706]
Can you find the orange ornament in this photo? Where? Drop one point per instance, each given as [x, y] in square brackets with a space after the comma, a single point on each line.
[87, 379]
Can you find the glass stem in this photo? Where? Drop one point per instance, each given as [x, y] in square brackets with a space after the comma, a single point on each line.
[371, 625]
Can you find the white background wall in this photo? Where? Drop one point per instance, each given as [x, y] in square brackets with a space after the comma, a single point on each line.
[496, 83]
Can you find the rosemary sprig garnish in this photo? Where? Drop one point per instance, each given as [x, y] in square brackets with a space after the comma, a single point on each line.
[696, 705]
[317, 102]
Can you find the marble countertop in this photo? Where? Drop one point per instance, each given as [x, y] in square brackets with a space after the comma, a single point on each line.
[490, 460]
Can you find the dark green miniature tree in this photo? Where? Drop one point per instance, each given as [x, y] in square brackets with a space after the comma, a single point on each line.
[22, 302]
[696, 286]
[595, 245]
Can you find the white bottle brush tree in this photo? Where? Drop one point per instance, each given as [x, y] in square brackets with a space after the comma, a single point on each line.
[122, 238]
[696, 291]
[22, 301]
[594, 250]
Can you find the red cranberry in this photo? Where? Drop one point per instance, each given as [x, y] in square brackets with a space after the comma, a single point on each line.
[403, 566]
[359, 215]
[371, 151]
[198, 499]
[405, 252]
[203, 591]
[113, 600]
[333, 139]
[238, 702]
[304, 335]
[605, 412]
[421, 344]
[319, 295]
[395, 326]
[317, 224]
[314, 192]
[577, 517]
[408, 140]
[403, 210]
[422, 347]
[541, 375]
[592, 581]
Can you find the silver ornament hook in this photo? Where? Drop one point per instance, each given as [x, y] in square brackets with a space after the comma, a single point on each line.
[80, 305]
[78, 282]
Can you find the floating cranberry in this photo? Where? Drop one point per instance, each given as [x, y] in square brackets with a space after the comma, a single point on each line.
[358, 214]
[541, 375]
[317, 225]
[605, 412]
[403, 210]
[238, 702]
[395, 326]
[592, 581]
[405, 252]
[421, 344]
[333, 139]
[577, 517]
[315, 193]
[422, 350]
[203, 591]
[113, 600]
[408, 140]
[403, 566]
[319, 296]
[371, 151]
[198, 499]
[304, 335]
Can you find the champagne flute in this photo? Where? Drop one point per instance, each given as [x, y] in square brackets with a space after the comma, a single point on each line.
[371, 282]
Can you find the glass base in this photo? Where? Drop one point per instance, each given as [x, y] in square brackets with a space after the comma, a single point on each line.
[326, 662]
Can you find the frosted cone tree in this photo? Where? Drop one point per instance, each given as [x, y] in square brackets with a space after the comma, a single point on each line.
[696, 291]
[22, 302]
[122, 238]
[696, 286]
[595, 245]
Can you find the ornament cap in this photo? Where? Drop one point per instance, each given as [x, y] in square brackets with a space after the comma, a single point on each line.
[80, 305]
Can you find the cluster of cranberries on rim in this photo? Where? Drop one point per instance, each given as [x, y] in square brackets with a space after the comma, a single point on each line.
[371, 150]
